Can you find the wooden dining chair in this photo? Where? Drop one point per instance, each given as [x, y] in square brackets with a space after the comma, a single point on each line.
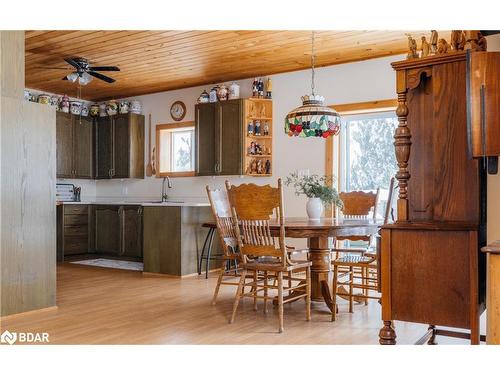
[221, 211]
[357, 206]
[253, 207]
[359, 269]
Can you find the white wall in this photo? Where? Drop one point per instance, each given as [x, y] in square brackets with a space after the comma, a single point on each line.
[347, 83]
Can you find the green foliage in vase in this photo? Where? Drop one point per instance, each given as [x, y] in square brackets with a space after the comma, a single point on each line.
[315, 186]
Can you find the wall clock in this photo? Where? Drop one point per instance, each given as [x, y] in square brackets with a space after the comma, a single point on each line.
[178, 110]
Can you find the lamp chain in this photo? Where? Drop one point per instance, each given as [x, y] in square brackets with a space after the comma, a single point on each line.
[312, 62]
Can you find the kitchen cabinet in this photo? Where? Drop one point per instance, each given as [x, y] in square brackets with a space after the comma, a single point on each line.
[219, 138]
[131, 222]
[72, 230]
[107, 229]
[229, 135]
[205, 139]
[74, 139]
[118, 230]
[119, 148]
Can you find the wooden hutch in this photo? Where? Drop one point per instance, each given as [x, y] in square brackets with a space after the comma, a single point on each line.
[432, 270]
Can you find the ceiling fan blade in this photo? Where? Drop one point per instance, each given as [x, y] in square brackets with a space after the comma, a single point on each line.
[101, 76]
[105, 68]
[72, 62]
[50, 67]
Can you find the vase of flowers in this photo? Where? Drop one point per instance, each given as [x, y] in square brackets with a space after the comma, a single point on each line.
[318, 189]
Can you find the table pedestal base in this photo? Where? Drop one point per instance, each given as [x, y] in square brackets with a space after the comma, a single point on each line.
[321, 270]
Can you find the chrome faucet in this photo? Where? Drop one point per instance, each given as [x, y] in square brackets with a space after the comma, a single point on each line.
[164, 196]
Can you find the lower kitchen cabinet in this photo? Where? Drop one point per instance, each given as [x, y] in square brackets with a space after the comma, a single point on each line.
[131, 221]
[73, 235]
[107, 229]
[118, 230]
[111, 230]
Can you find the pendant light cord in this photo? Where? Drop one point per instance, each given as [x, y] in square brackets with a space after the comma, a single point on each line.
[312, 62]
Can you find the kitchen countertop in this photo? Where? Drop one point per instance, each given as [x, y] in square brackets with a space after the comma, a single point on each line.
[169, 203]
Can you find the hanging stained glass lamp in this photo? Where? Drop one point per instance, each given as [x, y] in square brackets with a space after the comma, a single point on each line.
[312, 118]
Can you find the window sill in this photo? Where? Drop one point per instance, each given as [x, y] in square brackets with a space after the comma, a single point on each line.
[176, 174]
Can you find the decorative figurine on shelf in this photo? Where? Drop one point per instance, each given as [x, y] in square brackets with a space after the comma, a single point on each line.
[250, 128]
[412, 48]
[442, 47]
[251, 109]
[204, 97]
[257, 127]
[64, 104]
[269, 89]
[482, 44]
[263, 110]
[253, 167]
[251, 149]
[213, 94]
[260, 167]
[255, 88]
[434, 42]
[234, 91]
[265, 128]
[268, 150]
[268, 166]
[461, 45]
[472, 38]
[222, 92]
[261, 88]
[425, 47]
[258, 149]
[455, 39]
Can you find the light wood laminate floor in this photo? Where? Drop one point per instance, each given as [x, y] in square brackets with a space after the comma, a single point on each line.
[109, 306]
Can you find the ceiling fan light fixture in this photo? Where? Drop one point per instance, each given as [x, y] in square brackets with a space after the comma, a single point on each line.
[85, 79]
[72, 77]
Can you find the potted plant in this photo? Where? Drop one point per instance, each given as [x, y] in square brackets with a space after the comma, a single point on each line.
[318, 189]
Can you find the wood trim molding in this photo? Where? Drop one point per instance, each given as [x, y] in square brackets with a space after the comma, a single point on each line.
[170, 126]
[366, 107]
[175, 125]
[175, 174]
[349, 109]
[28, 313]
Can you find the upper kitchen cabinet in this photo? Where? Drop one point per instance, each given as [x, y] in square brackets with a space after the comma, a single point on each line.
[483, 86]
[119, 149]
[74, 146]
[219, 149]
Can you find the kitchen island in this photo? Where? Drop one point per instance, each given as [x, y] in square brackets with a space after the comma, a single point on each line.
[173, 237]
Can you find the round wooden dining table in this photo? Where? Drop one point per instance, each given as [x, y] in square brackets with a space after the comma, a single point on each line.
[317, 233]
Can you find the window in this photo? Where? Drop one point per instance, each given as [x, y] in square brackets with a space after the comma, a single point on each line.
[367, 149]
[175, 145]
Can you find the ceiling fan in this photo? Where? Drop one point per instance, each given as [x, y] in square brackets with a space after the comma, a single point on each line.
[84, 72]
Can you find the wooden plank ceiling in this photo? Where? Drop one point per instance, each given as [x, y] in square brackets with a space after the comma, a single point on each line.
[154, 61]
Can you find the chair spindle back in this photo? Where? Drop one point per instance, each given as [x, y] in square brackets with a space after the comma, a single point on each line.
[221, 209]
[253, 207]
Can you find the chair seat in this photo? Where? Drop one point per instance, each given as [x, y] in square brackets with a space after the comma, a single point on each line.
[352, 259]
[266, 264]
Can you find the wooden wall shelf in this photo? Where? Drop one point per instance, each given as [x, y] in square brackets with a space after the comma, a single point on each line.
[257, 111]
